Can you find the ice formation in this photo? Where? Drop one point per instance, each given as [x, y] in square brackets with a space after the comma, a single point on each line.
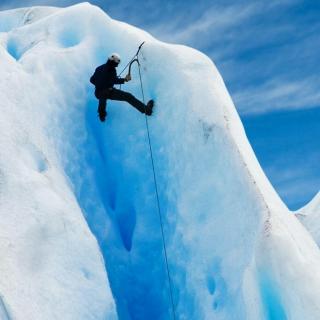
[73, 190]
[309, 216]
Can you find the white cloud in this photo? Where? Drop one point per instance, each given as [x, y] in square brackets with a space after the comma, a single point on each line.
[279, 94]
[216, 21]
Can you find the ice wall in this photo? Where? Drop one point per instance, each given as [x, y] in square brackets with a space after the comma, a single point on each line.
[234, 250]
[51, 266]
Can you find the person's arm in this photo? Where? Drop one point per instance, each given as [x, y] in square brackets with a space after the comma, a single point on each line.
[122, 80]
[118, 80]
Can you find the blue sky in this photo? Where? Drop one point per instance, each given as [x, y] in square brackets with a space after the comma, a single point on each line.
[268, 54]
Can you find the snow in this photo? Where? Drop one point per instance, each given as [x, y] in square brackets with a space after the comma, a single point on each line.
[74, 190]
[51, 266]
[309, 215]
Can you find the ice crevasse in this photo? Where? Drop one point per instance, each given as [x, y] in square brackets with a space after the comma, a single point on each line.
[80, 234]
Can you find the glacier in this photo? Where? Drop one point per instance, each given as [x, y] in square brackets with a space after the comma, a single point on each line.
[80, 232]
[309, 216]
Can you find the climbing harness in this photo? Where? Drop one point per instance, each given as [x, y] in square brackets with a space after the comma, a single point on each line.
[136, 59]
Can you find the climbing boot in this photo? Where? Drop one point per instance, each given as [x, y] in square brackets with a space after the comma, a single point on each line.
[149, 107]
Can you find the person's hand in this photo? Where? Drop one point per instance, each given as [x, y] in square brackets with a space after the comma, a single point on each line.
[127, 77]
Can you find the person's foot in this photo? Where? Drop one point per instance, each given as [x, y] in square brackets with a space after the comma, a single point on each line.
[149, 107]
[102, 114]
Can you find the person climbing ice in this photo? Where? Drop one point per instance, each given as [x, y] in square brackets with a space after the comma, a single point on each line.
[104, 79]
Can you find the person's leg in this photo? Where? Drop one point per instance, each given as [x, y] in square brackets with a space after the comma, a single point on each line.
[120, 95]
[102, 97]
[102, 109]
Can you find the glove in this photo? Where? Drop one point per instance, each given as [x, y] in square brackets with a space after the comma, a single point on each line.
[127, 78]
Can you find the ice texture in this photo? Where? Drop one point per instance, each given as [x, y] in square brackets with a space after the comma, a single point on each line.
[73, 189]
[309, 215]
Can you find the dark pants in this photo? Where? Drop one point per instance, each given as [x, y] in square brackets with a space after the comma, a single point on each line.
[119, 95]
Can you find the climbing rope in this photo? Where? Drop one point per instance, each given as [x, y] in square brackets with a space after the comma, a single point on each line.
[136, 59]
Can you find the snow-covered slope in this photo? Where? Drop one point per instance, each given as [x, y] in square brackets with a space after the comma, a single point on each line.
[234, 250]
[310, 217]
[50, 266]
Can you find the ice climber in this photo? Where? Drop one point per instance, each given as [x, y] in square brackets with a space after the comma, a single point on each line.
[104, 78]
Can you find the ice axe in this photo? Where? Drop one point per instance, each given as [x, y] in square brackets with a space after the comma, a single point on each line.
[129, 70]
[135, 58]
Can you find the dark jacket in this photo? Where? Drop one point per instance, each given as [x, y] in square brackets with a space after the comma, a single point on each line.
[105, 76]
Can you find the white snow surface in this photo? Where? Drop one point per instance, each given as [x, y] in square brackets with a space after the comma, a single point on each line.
[51, 266]
[78, 212]
[309, 215]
